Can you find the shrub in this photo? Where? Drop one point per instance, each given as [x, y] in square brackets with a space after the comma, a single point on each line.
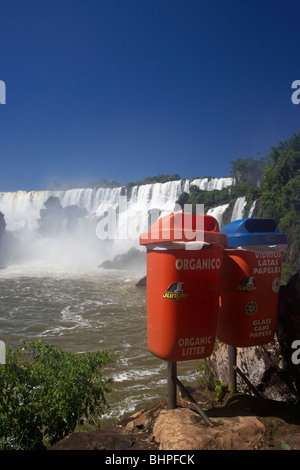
[45, 392]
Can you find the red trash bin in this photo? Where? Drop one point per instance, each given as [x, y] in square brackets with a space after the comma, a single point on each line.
[183, 282]
[250, 282]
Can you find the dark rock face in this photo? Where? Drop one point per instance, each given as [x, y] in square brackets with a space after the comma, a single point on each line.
[142, 282]
[115, 438]
[269, 367]
[288, 329]
[53, 218]
[133, 259]
[2, 225]
[3, 234]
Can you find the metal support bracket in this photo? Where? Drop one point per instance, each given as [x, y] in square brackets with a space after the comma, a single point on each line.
[233, 370]
[172, 382]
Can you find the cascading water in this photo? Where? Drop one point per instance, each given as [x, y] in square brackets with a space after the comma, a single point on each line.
[84, 243]
[238, 209]
[218, 212]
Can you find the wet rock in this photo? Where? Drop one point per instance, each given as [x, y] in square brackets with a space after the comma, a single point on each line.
[133, 259]
[263, 366]
[114, 438]
[142, 282]
[2, 224]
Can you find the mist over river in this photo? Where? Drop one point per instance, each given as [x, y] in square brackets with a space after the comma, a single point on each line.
[89, 309]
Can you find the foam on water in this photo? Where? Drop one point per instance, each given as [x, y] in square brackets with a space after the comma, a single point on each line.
[83, 310]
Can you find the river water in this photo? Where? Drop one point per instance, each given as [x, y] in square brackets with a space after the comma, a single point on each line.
[90, 310]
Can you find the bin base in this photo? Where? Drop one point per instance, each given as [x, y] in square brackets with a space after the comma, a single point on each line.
[172, 382]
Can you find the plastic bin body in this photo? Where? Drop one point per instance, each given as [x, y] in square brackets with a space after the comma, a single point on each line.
[250, 282]
[183, 288]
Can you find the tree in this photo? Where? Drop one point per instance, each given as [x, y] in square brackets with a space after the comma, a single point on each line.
[248, 170]
[45, 392]
[280, 197]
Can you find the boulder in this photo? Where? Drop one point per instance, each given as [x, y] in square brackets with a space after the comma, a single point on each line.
[133, 259]
[2, 224]
[142, 282]
[184, 429]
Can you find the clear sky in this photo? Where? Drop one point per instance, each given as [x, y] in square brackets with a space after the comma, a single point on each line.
[124, 89]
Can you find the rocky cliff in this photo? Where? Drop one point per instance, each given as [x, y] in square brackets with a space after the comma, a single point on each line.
[243, 422]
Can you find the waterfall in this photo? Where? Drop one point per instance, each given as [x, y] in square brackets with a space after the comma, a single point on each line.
[217, 213]
[251, 210]
[85, 243]
[22, 208]
[238, 208]
[207, 184]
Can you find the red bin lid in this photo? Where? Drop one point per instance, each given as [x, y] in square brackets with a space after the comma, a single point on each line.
[184, 227]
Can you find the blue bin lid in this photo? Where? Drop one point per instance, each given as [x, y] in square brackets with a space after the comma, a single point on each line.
[252, 231]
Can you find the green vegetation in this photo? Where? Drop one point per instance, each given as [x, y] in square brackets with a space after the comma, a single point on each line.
[248, 170]
[274, 183]
[154, 179]
[46, 392]
[247, 174]
[207, 383]
[104, 183]
[280, 196]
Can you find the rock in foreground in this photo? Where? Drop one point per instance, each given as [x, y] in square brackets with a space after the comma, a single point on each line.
[242, 423]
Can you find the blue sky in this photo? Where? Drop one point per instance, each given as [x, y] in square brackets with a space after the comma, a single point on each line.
[124, 89]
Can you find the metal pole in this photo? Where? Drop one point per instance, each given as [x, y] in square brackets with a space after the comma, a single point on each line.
[232, 353]
[172, 374]
[172, 382]
[188, 394]
[247, 381]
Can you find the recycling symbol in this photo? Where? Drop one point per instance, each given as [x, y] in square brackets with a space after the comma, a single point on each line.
[251, 308]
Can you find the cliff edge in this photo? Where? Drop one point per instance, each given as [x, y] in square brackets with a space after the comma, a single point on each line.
[243, 422]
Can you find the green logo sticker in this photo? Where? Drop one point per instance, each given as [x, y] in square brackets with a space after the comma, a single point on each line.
[175, 292]
[247, 284]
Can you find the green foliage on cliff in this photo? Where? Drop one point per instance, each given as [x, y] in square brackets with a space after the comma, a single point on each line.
[274, 183]
[280, 196]
[248, 170]
[45, 392]
[154, 179]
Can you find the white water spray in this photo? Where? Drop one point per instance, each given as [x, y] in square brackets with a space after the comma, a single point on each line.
[80, 245]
